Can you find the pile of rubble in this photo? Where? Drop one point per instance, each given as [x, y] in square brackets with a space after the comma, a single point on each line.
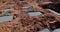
[29, 15]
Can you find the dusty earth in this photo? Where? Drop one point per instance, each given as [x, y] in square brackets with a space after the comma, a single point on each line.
[23, 21]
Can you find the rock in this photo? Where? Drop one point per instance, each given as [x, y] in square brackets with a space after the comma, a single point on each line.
[9, 9]
[56, 30]
[6, 18]
[34, 13]
[29, 8]
[44, 30]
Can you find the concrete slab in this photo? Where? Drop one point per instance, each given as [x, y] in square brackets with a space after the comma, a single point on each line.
[6, 18]
[34, 13]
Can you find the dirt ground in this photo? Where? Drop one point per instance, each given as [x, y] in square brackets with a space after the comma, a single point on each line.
[22, 22]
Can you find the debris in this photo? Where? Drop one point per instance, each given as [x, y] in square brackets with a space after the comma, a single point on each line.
[6, 18]
[29, 15]
[54, 12]
[34, 13]
[44, 30]
[29, 8]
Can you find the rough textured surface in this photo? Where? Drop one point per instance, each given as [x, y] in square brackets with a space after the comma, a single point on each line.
[22, 22]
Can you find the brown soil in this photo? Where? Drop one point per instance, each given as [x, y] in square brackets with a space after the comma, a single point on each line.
[22, 22]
